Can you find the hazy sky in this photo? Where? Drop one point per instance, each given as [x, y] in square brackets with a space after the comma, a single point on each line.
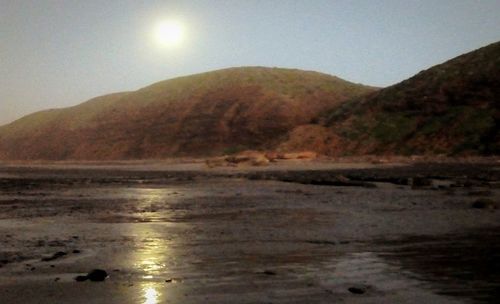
[61, 53]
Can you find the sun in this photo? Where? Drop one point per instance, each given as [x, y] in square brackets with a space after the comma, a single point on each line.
[169, 33]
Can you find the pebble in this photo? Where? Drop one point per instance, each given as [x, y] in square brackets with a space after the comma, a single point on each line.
[356, 290]
[96, 275]
[54, 256]
[269, 272]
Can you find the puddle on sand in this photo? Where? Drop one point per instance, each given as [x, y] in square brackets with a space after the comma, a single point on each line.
[461, 265]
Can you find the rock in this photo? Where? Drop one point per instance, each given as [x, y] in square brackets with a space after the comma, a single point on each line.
[320, 242]
[418, 182]
[356, 290]
[236, 159]
[336, 182]
[269, 272]
[81, 278]
[97, 275]
[216, 162]
[342, 178]
[76, 251]
[484, 203]
[253, 158]
[259, 161]
[56, 243]
[307, 155]
[298, 155]
[271, 156]
[54, 256]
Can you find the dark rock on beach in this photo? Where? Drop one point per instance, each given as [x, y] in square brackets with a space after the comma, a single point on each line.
[96, 275]
[484, 203]
[356, 290]
[81, 278]
[55, 256]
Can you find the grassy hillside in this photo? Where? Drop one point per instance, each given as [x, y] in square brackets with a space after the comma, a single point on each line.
[451, 108]
[205, 114]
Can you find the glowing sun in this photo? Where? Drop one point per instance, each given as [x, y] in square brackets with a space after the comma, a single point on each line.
[169, 33]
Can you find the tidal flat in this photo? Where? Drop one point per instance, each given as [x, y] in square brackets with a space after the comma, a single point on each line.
[288, 233]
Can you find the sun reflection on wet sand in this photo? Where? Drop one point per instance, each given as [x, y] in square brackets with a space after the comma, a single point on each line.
[150, 295]
[150, 261]
[151, 265]
[153, 254]
[154, 205]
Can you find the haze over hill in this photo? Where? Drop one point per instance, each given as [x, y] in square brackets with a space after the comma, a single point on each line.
[206, 114]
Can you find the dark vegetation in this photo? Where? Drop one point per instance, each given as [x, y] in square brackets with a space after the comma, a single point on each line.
[452, 108]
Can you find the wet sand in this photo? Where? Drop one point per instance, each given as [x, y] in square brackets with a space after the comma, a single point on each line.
[300, 233]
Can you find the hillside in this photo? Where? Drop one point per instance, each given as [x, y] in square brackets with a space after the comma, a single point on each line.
[451, 108]
[206, 114]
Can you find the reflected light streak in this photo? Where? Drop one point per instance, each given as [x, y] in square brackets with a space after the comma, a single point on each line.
[150, 295]
[153, 248]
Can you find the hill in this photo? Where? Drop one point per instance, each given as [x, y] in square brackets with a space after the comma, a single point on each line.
[212, 113]
[451, 108]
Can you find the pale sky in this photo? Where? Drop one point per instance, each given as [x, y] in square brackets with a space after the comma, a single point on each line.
[61, 53]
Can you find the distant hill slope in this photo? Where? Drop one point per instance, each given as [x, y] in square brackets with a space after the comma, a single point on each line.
[452, 108]
[205, 114]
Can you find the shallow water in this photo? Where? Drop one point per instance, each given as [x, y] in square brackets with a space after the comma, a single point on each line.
[231, 240]
[466, 264]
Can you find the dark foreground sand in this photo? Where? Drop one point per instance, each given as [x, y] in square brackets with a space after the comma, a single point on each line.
[185, 234]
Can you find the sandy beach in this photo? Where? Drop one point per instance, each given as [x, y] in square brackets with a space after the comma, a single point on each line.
[300, 232]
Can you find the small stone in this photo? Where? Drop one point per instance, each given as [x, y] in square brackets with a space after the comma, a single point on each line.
[356, 290]
[97, 275]
[418, 182]
[81, 278]
[484, 203]
[269, 272]
[76, 251]
[54, 256]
